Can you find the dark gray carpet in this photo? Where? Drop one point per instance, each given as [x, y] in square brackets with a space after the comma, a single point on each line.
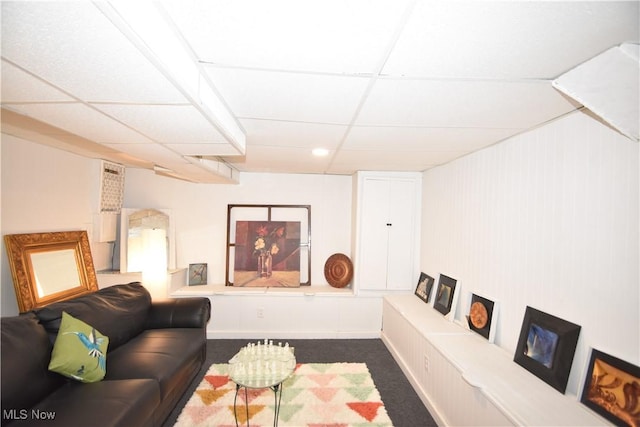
[402, 403]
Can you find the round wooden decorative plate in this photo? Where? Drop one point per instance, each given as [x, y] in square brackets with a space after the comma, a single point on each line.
[338, 270]
[478, 315]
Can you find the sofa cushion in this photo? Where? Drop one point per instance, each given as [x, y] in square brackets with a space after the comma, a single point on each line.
[170, 356]
[179, 313]
[25, 355]
[105, 404]
[119, 312]
[80, 351]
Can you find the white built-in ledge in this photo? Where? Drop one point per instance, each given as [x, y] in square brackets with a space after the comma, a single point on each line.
[464, 380]
[209, 290]
[305, 312]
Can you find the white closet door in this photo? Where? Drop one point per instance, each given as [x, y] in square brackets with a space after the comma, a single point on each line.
[375, 234]
[402, 235]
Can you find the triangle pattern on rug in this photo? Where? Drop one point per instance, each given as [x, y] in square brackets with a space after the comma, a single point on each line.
[217, 381]
[368, 410]
[315, 395]
[290, 394]
[317, 367]
[325, 412]
[322, 379]
[210, 396]
[241, 412]
[199, 414]
[325, 394]
[252, 394]
[287, 412]
[358, 378]
[360, 393]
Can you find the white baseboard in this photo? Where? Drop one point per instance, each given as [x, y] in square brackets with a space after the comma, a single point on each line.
[293, 335]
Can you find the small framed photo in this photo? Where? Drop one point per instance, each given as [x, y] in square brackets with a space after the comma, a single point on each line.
[482, 315]
[546, 347]
[197, 274]
[425, 284]
[444, 300]
[612, 389]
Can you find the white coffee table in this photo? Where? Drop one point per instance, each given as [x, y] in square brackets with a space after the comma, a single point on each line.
[261, 365]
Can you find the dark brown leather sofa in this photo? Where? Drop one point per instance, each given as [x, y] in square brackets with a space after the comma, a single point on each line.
[155, 351]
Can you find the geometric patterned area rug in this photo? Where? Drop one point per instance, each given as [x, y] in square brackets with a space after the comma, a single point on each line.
[316, 394]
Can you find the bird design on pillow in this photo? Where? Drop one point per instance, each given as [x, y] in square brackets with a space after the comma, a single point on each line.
[92, 343]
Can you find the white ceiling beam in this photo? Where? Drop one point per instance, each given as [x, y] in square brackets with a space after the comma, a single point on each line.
[147, 27]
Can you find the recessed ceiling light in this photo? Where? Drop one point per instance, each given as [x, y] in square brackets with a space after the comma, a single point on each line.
[320, 152]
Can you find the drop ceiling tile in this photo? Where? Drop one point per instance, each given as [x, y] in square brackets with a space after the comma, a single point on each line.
[19, 86]
[208, 149]
[81, 120]
[455, 103]
[334, 36]
[348, 161]
[466, 74]
[423, 139]
[166, 123]
[293, 134]
[277, 159]
[75, 47]
[289, 96]
[515, 40]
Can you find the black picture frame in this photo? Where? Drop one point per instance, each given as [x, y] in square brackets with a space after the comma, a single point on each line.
[197, 274]
[423, 289]
[487, 306]
[606, 379]
[546, 347]
[444, 294]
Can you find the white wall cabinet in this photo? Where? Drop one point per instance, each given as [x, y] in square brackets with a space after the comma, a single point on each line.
[387, 224]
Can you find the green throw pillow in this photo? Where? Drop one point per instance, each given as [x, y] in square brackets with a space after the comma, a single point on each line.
[80, 352]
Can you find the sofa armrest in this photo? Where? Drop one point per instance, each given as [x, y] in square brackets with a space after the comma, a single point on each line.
[179, 313]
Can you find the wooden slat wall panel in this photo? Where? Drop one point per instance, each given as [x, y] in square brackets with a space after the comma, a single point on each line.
[547, 219]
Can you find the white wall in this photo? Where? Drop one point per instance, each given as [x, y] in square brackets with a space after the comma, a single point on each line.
[200, 212]
[46, 189]
[547, 219]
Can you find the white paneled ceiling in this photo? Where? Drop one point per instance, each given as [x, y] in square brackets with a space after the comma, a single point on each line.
[255, 85]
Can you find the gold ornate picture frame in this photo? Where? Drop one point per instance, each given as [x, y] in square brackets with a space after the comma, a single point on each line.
[50, 267]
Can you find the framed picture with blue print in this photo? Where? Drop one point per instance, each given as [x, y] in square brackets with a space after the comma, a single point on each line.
[546, 347]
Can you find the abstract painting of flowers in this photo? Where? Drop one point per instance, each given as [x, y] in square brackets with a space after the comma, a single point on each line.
[267, 253]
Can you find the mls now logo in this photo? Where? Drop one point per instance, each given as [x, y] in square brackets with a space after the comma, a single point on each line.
[24, 414]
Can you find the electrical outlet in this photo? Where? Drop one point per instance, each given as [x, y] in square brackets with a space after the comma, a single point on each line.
[260, 313]
[426, 363]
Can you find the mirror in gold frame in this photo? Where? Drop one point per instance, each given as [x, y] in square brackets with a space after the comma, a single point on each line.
[50, 267]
